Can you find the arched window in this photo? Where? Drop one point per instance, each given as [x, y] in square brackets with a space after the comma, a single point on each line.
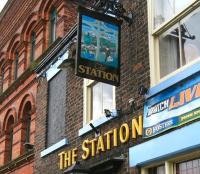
[27, 123]
[53, 20]
[2, 77]
[32, 51]
[9, 141]
[16, 62]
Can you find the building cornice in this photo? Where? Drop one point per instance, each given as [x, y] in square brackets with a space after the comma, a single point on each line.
[5, 9]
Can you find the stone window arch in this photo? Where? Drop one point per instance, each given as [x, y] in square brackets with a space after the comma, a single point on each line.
[26, 112]
[29, 35]
[13, 55]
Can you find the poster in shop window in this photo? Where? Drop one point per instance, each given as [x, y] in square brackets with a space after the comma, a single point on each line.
[98, 55]
[174, 107]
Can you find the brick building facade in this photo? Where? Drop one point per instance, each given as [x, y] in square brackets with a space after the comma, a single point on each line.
[46, 110]
[151, 57]
[27, 33]
[134, 73]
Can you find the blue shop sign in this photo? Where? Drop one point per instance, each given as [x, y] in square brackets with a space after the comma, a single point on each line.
[173, 107]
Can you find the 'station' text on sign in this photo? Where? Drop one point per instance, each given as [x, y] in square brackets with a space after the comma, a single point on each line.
[102, 143]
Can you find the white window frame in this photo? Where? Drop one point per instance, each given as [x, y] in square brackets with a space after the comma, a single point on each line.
[170, 164]
[154, 42]
[87, 102]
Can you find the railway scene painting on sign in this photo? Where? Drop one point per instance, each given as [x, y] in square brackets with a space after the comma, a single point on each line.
[98, 56]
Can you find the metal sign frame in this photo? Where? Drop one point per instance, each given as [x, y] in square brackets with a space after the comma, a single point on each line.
[98, 61]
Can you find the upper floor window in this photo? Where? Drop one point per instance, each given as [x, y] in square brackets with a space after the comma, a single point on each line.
[167, 9]
[9, 141]
[2, 76]
[175, 39]
[16, 62]
[27, 124]
[53, 20]
[32, 53]
[98, 96]
[56, 101]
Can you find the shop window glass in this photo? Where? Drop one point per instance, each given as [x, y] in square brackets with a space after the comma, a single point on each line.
[180, 44]
[32, 53]
[188, 167]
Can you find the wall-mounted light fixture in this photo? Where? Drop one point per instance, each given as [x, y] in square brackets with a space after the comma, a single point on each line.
[113, 113]
[28, 146]
[67, 63]
[96, 131]
[132, 104]
[142, 90]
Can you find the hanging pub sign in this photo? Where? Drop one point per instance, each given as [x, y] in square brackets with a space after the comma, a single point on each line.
[98, 53]
[175, 106]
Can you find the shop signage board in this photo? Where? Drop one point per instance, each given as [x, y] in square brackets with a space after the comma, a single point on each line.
[98, 52]
[173, 107]
[104, 142]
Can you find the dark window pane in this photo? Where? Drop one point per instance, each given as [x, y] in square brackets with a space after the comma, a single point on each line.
[32, 55]
[16, 65]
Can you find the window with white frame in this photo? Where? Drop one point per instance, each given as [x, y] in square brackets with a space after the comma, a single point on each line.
[174, 36]
[97, 97]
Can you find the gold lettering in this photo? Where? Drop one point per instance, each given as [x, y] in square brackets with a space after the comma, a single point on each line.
[115, 140]
[87, 70]
[93, 72]
[124, 129]
[109, 76]
[86, 150]
[74, 155]
[81, 69]
[136, 127]
[108, 136]
[61, 157]
[93, 146]
[68, 159]
[115, 77]
[100, 145]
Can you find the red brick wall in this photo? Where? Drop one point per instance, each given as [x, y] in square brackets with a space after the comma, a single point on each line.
[17, 22]
[134, 72]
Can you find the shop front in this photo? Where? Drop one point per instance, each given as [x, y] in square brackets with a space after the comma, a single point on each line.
[83, 158]
[171, 127]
